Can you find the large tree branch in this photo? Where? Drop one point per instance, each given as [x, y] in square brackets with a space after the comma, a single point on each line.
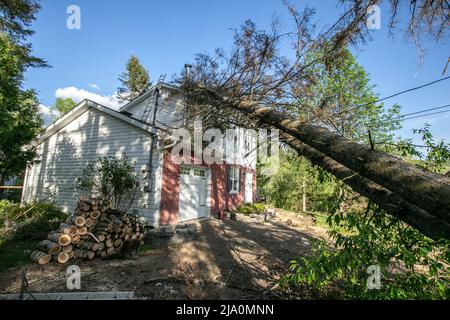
[389, 201]
[426, 190]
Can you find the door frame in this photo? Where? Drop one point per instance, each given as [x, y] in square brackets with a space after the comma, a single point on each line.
[208, 190]
[248, 174]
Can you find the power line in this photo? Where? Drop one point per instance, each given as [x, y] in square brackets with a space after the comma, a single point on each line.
[423, 115]
[422, 111]
[393, 95]
[407, 116]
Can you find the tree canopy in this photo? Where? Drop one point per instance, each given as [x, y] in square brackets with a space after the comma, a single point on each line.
[19, 114]
[134, 81]
[62, 106]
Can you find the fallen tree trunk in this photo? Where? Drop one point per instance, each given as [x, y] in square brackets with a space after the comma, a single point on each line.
[397, 206]
[427, 190]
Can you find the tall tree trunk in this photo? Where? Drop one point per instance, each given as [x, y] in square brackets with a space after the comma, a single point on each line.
[418, 218]
[427, 190]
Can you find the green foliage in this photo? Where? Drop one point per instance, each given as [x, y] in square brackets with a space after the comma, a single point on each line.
[340, 85]
[14, 212]
[285, 188]
[134, 81]
[28, 225]
[412, 265]
[111, 178]
[250, 208]
[62, 106]
[16, 16]
[19, 113]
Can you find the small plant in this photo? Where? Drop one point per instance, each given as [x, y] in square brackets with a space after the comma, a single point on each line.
[111, 178]
[252, 208]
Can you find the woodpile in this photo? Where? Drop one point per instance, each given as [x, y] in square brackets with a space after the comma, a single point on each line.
[94, 230]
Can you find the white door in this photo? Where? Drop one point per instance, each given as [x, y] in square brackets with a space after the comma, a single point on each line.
[193, 193]
[248, 187]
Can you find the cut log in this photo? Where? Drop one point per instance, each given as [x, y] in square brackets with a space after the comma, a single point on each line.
[95, 214]
[62, 257]
[83, 206]
[49, 247]
[76, 238]
[67, 248]
[89, 222]
[67, 228]
[100, 237]
[90, 246]
[79, 221]
[84, 254]
[109, 243]
[82, 230]
[101, 246]
[61, 238]
[40, 257]
[118, 242]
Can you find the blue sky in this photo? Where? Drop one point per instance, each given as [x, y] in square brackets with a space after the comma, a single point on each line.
[166, 34]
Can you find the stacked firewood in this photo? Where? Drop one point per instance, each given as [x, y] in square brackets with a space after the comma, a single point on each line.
[95, 229]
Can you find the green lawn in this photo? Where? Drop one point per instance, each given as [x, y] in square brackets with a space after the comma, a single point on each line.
[17, 245]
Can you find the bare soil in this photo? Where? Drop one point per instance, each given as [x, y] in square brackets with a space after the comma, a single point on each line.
[240, 259]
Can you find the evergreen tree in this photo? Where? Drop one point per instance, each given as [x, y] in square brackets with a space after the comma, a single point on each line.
[134, 81]
[19, 113]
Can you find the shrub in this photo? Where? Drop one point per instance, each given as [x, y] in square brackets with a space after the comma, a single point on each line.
[112, 178]
[249, 208]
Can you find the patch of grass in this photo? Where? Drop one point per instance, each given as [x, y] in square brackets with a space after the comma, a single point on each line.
[143, 248]
[321, 221]
[33, 224]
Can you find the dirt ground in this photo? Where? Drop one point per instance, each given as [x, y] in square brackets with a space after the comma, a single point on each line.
[239, 259]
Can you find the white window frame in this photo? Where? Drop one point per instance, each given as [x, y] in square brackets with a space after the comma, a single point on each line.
[234, 180]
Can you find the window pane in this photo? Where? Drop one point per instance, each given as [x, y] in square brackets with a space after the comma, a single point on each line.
[199, 172]
[185, 170]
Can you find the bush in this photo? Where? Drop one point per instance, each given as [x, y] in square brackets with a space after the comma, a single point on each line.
[112, 178]
[249, 208]
[412, 266]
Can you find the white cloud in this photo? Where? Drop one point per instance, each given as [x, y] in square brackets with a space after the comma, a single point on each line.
[93, 85]
[79, 95]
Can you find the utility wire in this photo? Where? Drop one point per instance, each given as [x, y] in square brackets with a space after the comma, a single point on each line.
[418, 114]
[392, 95]
[423, 115]
[422, 111]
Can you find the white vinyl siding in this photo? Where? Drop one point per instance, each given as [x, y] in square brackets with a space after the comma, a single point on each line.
[170, 113]
[92, 135]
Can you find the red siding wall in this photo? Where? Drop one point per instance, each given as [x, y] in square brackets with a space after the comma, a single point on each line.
[221, 199]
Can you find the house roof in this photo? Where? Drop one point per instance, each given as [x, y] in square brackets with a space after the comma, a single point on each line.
[146, 94]
[82, 107]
